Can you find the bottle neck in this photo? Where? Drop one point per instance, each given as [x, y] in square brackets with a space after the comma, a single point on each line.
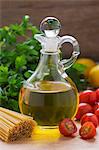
[48, 68]
[49, 59]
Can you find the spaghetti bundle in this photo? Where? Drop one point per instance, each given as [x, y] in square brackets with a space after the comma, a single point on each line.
[14, 125]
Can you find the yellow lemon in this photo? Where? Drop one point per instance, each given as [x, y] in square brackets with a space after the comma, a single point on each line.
[94, 76]
[89, 63]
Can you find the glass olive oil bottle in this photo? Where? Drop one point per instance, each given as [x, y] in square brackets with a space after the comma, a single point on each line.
[49, 95]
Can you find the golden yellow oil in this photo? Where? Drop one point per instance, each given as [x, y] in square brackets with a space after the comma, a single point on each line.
[49, 102]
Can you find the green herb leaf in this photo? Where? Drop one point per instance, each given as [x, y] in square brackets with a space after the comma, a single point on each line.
[79, 67]
[20, 62]
[3, 74]
[75, 73]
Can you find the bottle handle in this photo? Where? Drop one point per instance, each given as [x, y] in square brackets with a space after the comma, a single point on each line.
[66, 63]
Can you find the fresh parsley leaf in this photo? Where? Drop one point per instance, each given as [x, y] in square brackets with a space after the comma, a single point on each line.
[76, 73]
[20, 62]
[3, 74]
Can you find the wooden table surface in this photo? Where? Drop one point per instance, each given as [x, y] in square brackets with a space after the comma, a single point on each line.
[52, 140]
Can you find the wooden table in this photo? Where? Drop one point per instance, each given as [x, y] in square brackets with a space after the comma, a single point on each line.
[52, 140]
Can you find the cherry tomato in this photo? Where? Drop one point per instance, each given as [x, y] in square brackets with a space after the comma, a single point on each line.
[67, 127]
[87, 130]
[92, 98]
[83, 108]
[84, 96]
[89, 117]
[97, 94]
[95, 107]
[88, 96]
[97, 113]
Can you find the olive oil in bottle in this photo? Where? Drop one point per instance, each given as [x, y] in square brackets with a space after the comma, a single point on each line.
[49, 102]
[49, 95]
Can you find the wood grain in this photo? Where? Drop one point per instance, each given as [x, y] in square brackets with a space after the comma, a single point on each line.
[79, 18]
[53, 143]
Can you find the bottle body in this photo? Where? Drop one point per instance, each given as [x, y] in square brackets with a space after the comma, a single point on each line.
[49, 96]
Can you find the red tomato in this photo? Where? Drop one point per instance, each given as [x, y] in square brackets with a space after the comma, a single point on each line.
[97, 113]
[93, 98]
[88, 96]
[83, 108]
[84, 96]
[97, 94]
[87, 130]
[95, 107]
[89, 117]
[67, 127]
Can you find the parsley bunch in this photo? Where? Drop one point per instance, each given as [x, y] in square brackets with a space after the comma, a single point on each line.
[19, 55]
